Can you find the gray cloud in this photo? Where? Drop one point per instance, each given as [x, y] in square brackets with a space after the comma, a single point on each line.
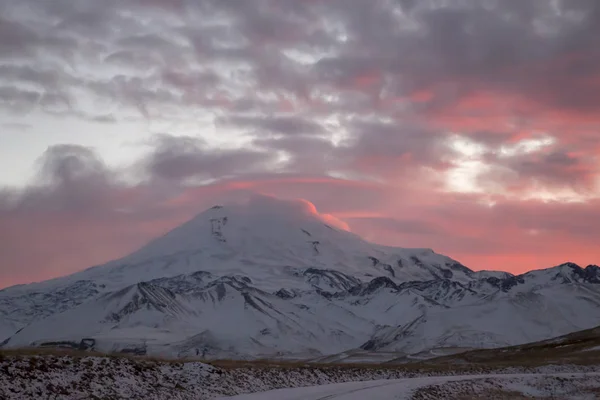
[17, 126]
[276, 124]
[19, 100]
[15, 39]
[553, 168]
[74, 180]
[304, 154]
[459, 39]
[47, 79]
[177, 158]
[71, 179]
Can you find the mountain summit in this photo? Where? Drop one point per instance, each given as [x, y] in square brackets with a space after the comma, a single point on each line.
[269, 278]
[266, 240]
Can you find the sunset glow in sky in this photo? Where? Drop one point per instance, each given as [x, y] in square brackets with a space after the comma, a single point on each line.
[468, 126]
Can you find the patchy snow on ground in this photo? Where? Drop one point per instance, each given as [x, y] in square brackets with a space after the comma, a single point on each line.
[576, 386]
[76, 378]
[66, 377]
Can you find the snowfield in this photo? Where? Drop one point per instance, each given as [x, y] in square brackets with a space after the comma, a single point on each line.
[69, 378]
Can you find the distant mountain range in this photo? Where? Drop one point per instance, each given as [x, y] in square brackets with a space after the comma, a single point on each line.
[249, 281]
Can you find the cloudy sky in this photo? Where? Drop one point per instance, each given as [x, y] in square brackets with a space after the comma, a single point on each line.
[468, 126]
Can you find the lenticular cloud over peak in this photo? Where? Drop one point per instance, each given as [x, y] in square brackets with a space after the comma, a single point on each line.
[264, 206]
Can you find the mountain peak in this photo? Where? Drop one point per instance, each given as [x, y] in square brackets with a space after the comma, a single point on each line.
[567, 272]
[248, 225]
[298, 281]
[569, 265]
[259, 215]
[266, 239]
[272, 208]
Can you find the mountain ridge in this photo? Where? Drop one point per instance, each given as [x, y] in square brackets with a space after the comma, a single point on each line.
[300, 288]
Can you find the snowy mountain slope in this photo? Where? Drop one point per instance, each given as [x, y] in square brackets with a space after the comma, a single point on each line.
[273, 243]
[267, 240]
[271, 278]
[7, 328]
[506, 320]
[208, 318]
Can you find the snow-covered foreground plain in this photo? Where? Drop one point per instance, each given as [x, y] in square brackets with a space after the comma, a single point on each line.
[499, 386]
[68, 377]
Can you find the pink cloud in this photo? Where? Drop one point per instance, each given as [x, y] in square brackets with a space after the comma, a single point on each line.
[511, 236]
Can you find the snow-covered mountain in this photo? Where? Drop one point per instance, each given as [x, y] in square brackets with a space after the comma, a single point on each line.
[271, 278]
